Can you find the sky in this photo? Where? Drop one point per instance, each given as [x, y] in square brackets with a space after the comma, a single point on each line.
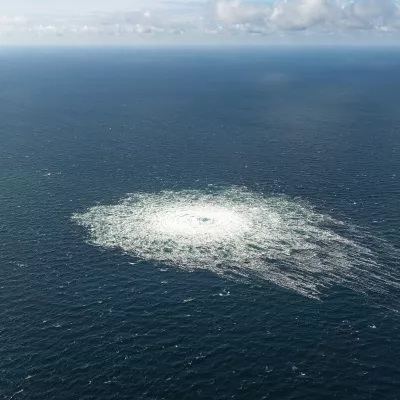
[200, 22]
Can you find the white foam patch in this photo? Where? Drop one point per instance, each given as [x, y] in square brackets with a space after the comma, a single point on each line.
[237, 233]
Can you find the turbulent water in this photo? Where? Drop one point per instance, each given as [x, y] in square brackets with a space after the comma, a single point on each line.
[199, 224]
[234, 232]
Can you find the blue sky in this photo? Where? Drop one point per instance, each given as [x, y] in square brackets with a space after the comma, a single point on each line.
[199, 21]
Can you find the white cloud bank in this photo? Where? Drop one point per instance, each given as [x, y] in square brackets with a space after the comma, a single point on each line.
[207, 21]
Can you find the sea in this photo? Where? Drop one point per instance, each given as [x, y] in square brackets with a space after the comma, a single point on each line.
[199, 223]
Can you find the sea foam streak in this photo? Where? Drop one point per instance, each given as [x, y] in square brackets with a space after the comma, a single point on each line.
[237, 233]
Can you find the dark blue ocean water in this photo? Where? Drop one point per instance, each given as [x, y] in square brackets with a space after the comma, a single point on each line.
[87, 126]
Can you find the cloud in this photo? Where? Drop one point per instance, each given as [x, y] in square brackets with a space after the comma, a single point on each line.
[4, 20]
[328, 15]
[373, 14]
[235, 11]
[304, 14]
[160, 19]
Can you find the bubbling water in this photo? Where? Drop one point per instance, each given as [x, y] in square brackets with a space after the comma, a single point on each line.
[205, 221]
[237, 233]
